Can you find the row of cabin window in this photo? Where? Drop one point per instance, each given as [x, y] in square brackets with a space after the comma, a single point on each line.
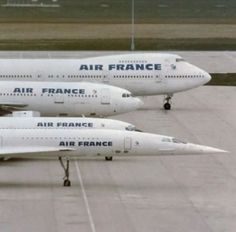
[184, 76]
[52, 76]
[18, 94]
[44, 128]
[82, 76]
[140, 76]
[61, 138]
[16, 76]
[133, 61]
[49, 95]
[76, 76]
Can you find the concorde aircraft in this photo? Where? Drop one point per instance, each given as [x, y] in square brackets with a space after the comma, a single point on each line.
[70, 99]
[83, 142]
[26, 122]
[140, 73]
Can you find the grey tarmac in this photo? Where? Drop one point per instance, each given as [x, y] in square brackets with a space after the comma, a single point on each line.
[166, 194]
[161, 194]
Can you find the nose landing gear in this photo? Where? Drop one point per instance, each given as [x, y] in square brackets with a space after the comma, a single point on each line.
[167, 100]
[66, 168]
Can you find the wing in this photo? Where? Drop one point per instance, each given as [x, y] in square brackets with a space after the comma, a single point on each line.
[26, 151]
[8, 107]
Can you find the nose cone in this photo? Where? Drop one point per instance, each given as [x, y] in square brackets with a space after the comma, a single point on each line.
[206, 149]
[127, 104]
[207, 77]
[193, 148]
[139, 103]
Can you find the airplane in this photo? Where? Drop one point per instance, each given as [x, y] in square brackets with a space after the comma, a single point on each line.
[26, 122]
[142, 74]
[66, 99]
[67, 143]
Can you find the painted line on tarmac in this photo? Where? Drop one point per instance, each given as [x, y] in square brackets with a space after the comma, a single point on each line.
[92, 225]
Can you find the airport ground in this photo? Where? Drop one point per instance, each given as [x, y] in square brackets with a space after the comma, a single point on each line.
[175, 193]
[163, 194]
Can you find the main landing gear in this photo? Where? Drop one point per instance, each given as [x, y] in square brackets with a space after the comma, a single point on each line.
[108, 158]
[167, 100]
[66, 168]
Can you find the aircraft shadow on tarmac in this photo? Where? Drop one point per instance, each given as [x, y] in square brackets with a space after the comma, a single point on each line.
[34, 182]
[80, 159]
[178, 108]
[24, 185]
[89, 186]
[21, 161]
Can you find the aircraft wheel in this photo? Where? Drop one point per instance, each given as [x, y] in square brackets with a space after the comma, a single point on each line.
[108, 158]
[67, 183]
[167, 106]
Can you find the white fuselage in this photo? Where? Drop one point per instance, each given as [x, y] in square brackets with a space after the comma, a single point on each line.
[63, 123]
[142, 74]
[71, 99]
[78, 142]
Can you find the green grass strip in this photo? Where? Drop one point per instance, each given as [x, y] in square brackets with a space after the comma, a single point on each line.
[120, 44]
[225, 79]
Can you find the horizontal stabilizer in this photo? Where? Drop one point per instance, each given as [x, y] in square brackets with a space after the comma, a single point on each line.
[10, 106]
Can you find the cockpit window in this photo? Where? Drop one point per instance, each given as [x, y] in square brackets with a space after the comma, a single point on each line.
[174, 140]
[168, 140]
[179, 60]
[126, 95]
[130, 128]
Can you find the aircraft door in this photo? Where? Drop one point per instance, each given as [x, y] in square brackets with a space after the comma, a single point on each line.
[105, 96]
[127, 144]
[40, 75]
[158, 78]
[59, 99]
[106, 77]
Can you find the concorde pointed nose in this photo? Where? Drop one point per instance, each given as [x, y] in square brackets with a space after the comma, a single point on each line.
[204, 149]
